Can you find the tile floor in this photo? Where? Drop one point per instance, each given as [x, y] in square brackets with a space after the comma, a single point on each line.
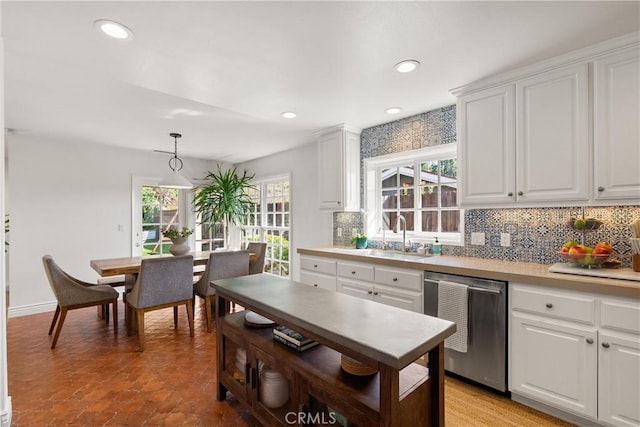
[93, 378]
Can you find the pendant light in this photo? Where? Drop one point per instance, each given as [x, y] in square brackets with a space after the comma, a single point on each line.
[175, 179]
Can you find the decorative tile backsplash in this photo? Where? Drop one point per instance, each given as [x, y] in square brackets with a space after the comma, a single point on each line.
[536, 233]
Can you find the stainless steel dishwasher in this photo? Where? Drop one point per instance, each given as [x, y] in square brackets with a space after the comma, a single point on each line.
[485, 359]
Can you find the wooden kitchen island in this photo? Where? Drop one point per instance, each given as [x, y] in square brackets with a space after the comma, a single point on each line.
[402, 393]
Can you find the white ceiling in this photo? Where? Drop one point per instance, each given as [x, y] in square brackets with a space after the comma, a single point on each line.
[222, 72]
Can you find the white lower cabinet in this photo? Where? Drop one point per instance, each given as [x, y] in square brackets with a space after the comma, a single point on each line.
[555, 364]
[398, 287]
[318, 272]
[576, 351]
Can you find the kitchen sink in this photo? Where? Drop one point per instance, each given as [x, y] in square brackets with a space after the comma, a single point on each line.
[379, 253]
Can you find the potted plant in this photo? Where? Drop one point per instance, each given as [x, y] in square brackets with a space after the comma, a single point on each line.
[360, 240]
[224, 199]
[179, 240]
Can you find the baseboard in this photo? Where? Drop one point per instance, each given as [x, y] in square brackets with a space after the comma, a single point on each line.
[26, 310]
[558, 413]
[5, 414]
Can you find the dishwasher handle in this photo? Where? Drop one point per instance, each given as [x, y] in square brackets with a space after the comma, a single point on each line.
[474, 288]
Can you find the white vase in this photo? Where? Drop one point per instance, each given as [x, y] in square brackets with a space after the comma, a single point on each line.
[179, 246]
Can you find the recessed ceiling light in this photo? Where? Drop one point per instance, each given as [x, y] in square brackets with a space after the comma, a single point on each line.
[406, 66]
[393, 110]
[113, 29]
[288, 115]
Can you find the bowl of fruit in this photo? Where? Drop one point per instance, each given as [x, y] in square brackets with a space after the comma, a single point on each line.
[586, 256]
[586, 224]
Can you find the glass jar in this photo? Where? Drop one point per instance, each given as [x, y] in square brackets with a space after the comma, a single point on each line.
[274, 388]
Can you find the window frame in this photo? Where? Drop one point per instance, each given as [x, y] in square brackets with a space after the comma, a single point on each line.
[373, 194]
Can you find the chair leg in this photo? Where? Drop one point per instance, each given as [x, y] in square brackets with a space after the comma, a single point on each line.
[55, 318]
[115, 316]
[63, 314]
[175, 316]
[140, 315]
[190, 316]
[208, 313]
[105, 310]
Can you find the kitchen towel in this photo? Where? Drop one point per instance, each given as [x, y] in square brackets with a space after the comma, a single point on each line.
[453, 306]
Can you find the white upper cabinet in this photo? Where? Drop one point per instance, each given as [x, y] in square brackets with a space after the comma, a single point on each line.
[339, 169]
[487, 146]
[552, 136]
[562, 132]
[616, 128]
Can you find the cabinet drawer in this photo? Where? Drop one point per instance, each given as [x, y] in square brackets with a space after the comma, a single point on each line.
[355, 271]
[406, 279]
[621, 315]
[560, 305]
[318, 280]
[319, 265]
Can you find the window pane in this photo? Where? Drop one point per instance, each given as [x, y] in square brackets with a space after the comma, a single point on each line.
[451, 221]
[448, 170]
[430, 221]
[406, 175]
[406, 198]
[449, 196]
[408, 215]
[389, 177]
[386, 220]
[389, 199]
[430, 196]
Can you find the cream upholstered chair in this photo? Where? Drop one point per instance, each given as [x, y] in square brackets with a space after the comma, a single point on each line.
[221, 265]
[162, 282]
[72, 293]
[259, 248]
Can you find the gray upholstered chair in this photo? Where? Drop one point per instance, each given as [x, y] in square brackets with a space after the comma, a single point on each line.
[162, 282]
[72, 293]
[259, 248]
[221, 265]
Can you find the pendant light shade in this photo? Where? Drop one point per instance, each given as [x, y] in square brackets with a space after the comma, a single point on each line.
[175, 178]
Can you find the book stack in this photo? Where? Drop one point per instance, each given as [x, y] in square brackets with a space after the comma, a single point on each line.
[292, 339]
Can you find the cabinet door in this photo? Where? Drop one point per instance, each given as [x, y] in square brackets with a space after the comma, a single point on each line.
[339, 170]
[617, 126]
[552, 136]
[399, 298]
[273, 387]
[486, 147]
[555, 364]
[619, 380]
[356, 289]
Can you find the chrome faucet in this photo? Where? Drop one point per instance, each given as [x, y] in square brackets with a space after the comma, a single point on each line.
[402, 219]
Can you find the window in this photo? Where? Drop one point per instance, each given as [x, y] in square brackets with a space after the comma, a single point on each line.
[420, 185]
[269, 222]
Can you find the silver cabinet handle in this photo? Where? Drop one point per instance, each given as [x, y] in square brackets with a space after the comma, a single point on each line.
[315, 285]
[600, 189]
[510, 194]
[589, 340]
[520, 193]
[549, 305]
[375, 293]
[353, 272]
[395, 279]
[315, 265]
[369, 292]
[605, 344]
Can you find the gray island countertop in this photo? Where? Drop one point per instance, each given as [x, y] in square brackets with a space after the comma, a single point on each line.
[389, 335]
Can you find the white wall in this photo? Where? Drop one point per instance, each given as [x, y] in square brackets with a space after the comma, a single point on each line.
[68, 199]
[310, 227]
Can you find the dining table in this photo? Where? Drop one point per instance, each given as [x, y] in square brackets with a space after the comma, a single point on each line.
[130, 266]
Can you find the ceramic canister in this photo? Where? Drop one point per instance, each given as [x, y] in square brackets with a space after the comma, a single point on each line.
[274, 388]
